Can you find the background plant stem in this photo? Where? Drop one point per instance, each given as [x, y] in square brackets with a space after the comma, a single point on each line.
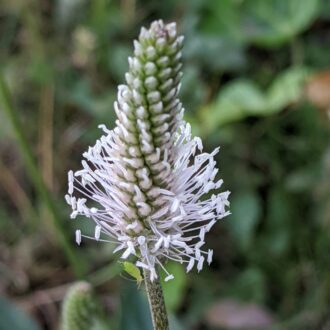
[35, 177]
[156, 302]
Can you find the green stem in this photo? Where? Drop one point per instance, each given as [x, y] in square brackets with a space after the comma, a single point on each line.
[35, 177]
[156, 302]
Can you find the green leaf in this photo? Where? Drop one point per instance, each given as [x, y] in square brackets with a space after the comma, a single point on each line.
[205, 49]
[243, 98]
[268, 23]
[273, 22]
[135, 313]
[222, 18]
[236, 101]
[13, 318]
[246, 211]
[174, 289]
[287, 88]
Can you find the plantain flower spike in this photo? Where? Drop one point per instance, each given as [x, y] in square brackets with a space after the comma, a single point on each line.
[148, 180]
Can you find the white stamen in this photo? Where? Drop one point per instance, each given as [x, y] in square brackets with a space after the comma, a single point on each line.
[78, 236]
[142, 265]
[200, 263]
[74, 214]
[169, 277]
[209, 256]
[190, 265]
[97, 232]
[202, 234]
[141, 240]
[175, 205]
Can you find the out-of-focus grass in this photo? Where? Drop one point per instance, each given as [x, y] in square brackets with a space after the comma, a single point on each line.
[256, 81]
[37, 180]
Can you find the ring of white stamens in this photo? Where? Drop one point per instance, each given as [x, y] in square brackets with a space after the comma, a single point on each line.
[148, 179]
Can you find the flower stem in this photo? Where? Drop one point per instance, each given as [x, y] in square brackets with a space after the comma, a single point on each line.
[37, 180]
[156, 303]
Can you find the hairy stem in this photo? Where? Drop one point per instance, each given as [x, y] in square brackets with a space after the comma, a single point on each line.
[156, 302]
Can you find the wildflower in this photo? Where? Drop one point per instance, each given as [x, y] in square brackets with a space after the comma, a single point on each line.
[149, 178]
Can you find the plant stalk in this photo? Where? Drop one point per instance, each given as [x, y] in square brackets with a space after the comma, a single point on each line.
[156, 302]
[37, 180]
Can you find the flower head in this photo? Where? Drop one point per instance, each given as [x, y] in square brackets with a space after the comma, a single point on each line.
[149, 179]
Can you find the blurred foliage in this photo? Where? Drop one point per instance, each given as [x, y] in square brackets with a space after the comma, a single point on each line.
[174, 290]
[14, 318]
[256, 81]
[242, 98]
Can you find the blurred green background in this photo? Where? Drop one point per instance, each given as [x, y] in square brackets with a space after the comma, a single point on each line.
[256, 81]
